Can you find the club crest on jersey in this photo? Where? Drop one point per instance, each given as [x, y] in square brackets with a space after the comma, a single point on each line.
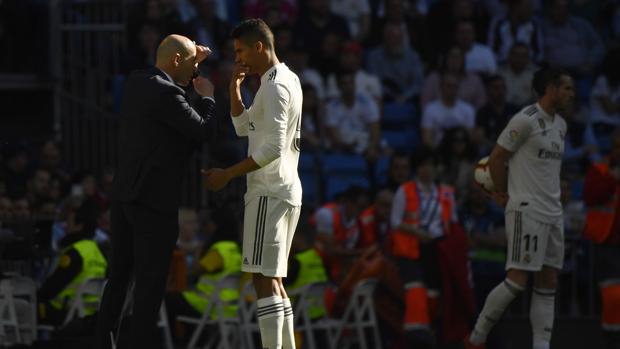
[514, 135]
[542, 125]
[526, 258]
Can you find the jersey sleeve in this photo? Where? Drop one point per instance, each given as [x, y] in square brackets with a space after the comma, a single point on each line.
[276, 107]
[516, 133]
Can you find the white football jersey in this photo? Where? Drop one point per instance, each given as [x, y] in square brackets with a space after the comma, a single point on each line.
[272, 125]
[537, 141]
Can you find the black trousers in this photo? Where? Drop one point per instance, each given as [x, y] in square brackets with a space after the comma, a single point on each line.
[142, 244]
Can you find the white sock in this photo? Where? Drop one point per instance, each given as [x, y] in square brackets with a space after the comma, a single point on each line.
[270, 313]
[494, 306]
[288, 330]
[541, 316]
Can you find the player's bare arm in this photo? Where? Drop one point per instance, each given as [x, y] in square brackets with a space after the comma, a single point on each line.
[236, 103]
[497, 167]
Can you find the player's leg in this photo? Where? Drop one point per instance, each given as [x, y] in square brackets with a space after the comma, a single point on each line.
[551, 243]
[516, 281]
[288, 331]
[265, 251]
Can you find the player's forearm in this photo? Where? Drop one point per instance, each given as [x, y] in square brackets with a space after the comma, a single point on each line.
[497, 168]
[241, 168]
[236, 103]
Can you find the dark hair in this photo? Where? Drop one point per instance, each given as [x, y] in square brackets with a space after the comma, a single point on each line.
[424, 155]
[492, 78]
[253, 30]
[545, 77]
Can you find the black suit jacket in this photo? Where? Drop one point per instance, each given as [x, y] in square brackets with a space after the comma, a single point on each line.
[157, 130]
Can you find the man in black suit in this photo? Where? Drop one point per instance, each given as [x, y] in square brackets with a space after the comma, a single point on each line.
[157, 130]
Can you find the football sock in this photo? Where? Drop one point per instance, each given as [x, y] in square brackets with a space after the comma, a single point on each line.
[270, 313]
[541, 316]
[288, 331]
[494, 306]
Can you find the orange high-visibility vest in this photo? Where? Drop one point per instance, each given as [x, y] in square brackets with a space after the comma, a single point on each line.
[368, 227]
[407, 245]
[610, 299]
[342, 236]
[600, 219]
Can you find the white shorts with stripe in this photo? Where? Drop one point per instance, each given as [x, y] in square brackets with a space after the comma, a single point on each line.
[532, 244]
[268, 228]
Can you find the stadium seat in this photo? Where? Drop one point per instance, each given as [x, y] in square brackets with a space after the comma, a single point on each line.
[340, 171]
[382, 167]
[398, 116]
[404, 140]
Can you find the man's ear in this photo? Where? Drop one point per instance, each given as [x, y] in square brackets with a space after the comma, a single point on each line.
[259, 46]
[177, 59]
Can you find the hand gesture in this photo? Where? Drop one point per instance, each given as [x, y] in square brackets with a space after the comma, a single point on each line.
[202, 52]
[217, 178]
[203, 86]
[238, 74]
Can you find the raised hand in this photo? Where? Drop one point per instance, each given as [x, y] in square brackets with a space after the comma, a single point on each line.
[238, 74]
[202, 52]
[203, 86]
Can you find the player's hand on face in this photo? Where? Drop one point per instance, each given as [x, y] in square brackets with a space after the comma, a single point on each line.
[239, 73]
[203, 86]
[202, 52]
[216, 178]
[500, 198]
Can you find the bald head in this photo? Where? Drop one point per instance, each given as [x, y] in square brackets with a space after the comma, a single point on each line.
[172, 45]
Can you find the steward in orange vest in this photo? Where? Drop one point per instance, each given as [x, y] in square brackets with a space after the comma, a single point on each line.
[601, 193]
[421, 214]
[337, 231]
[374, 221]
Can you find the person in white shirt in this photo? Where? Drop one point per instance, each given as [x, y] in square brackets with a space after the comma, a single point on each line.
[352, 120]
[357, 14]
[478, 58]
[518, 73]
[532, 145]
[446, 112]
[273, 198]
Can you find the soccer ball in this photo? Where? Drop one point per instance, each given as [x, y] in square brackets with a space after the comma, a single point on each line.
[482, 175]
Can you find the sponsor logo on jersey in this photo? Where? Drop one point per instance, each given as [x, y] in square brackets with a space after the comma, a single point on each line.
[549, 154]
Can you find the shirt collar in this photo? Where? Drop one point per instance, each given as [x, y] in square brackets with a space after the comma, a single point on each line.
[267, 74]
[544, 113]
[168, 77]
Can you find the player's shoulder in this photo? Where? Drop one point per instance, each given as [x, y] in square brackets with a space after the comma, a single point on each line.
[527, 114]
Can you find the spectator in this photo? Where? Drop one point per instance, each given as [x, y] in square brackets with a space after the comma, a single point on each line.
[374, 221]
[317, 23]
[298, 61]
[337, 231]
[458, 159]
[478, 57]
[357, 14]
[351, 60]
[399, 171]
[189, 241]
[605, 96]
[493, 116]
[313, 132]
[142, 55]
[395, 12]
[50, 159]
[446, 112]
[470, 88]
[287, 10]
[580, 144]
[79, 260]
[39, 190]
[519, 25]
[398, 66]
[518, 74]
[283, 39]
[571, 42]
[14, 171]
[353, 120]
[330, 49]
[207, 29]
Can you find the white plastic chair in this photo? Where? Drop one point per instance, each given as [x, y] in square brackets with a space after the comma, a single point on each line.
[247, 315]
[79, 304]
[227, 327]
[361, 310]
[309, 296]
[18, 302]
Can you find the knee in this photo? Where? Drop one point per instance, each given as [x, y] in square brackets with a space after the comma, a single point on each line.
[519, 277]
[266, 286]
[546, 279]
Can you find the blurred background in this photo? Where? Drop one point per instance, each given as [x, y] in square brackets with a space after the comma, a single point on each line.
[383, 81]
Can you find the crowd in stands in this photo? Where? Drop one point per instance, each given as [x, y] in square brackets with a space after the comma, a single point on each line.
[384, 81]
